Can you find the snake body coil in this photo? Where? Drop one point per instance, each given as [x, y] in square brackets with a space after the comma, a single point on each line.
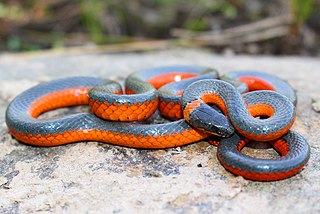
[142, 98]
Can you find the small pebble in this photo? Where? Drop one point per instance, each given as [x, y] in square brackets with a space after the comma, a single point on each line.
[316, 104]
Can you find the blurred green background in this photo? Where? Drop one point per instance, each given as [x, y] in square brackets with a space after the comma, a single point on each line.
[275, 27]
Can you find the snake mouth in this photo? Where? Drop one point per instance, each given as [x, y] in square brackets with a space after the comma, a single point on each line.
[224, 131]
[209, 120]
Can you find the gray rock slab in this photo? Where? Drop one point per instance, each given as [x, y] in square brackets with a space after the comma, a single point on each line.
[93, 177]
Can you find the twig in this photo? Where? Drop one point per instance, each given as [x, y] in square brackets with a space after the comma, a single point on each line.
[253, 32]
[263, 35]
[115, 48]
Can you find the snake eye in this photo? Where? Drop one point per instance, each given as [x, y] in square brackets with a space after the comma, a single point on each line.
[208, 119]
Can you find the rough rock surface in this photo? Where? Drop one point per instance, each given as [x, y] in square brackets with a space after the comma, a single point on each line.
[92, 177]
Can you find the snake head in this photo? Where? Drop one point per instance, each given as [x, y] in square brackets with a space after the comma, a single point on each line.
[206, 118]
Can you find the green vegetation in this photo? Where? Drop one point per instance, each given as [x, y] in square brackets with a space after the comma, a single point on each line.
[301, 9]
[36, 24]
[13, 12]
[91, 12]
[200, 21]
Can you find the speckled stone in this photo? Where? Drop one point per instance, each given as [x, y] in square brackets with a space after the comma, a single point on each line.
[92, 177]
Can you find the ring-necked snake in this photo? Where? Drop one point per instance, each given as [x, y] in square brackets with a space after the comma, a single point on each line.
[141, 101]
